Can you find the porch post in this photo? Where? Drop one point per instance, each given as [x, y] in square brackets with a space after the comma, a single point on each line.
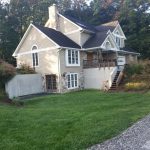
[100, 57]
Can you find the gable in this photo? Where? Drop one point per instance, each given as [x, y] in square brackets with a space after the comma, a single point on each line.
[34, 37]
[66, 26]
[119, 32]
[109, 44]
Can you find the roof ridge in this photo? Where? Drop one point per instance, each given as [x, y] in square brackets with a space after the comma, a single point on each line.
[110, 23]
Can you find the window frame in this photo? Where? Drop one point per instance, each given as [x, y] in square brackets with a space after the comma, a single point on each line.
[76, 60]
[36, 56]
[118, 39]
[75, 81]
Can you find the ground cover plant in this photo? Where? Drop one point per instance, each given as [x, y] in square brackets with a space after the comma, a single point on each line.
[72, 121]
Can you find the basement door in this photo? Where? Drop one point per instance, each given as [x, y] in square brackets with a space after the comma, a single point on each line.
[51, 83]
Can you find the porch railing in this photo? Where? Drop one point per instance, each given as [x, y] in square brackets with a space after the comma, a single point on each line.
[95, 63]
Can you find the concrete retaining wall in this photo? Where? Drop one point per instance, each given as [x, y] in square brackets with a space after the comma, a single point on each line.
[26, 84]
[94, 78]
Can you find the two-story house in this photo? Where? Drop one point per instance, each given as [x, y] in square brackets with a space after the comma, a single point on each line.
[71, 54]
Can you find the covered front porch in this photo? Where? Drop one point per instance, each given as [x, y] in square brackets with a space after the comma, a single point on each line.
[99, 58]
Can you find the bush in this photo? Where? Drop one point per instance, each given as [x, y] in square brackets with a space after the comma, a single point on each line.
[136, 86]
[25, 69]
[7, 71]
[133, 69]
[137, 76]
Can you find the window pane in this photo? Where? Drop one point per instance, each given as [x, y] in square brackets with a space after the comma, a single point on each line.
[33, 59]
[76, 84]
[36, 58]
[73, 57]
[69, 56]
[72, 80]
[76, 56]
[68, 79]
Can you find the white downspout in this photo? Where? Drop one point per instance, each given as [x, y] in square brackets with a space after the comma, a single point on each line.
[59, 72]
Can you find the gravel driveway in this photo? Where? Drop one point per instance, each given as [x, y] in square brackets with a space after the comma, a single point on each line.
[136, 137]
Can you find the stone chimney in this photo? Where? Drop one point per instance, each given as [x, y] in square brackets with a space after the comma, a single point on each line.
[53, 17]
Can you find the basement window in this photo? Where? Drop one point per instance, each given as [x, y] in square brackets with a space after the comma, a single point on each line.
[72, 80]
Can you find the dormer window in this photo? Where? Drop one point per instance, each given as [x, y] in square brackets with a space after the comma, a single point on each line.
[108, 45]
[35, 59]
[118, 40]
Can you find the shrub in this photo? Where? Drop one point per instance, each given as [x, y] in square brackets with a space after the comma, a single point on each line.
[7, 71]
[133, 69]
[25, 69]
[136, 86]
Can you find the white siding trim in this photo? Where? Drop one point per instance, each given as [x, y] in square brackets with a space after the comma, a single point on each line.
[25, 35]
[39, 50]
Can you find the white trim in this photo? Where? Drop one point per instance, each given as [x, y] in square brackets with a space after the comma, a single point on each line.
[114, 44]
[26, 33]
[66, 58]
[34, 52]
[75, 87]
[70, 48]
[38, 51]
[120, 30]
[24, 36]
[46, 36]
[72, 32]
[70, 21]
[129, 52]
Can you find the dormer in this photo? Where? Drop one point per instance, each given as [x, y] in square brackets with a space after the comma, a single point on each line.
[119, 36]
[74, 29]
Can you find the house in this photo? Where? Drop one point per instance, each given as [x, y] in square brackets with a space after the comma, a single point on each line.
[73, 55]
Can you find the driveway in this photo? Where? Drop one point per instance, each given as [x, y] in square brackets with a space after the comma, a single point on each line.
[136, 137]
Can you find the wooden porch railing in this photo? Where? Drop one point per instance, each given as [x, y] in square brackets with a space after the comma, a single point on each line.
[95, 63]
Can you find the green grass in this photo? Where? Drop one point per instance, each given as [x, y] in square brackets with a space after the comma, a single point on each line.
[71, 121]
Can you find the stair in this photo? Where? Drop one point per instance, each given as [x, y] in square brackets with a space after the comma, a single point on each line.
[114, 84]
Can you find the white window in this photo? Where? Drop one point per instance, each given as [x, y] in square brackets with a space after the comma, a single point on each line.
[118, 41]
[35, 59]
[108, 45]
[72, 57]
[72, 80]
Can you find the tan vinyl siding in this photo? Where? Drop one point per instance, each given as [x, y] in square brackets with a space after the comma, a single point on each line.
[73, 69]
[66, 26]
[48, 60]
[35, 38]
[69, 29]
[84, 37]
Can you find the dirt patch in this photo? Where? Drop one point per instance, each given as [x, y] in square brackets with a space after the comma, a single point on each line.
[8, 101]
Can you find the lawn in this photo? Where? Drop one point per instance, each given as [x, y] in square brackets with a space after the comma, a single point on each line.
[70, 121]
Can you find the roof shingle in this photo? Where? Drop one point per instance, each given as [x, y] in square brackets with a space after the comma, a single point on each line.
[58, 37]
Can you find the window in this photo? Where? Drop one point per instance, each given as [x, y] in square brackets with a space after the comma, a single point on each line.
[108, 46]
[35, 59]
[72, 80]
[72, 58]
[118, 41]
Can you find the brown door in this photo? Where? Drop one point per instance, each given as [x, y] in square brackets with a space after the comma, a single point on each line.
[89, 56]
[51, 83]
